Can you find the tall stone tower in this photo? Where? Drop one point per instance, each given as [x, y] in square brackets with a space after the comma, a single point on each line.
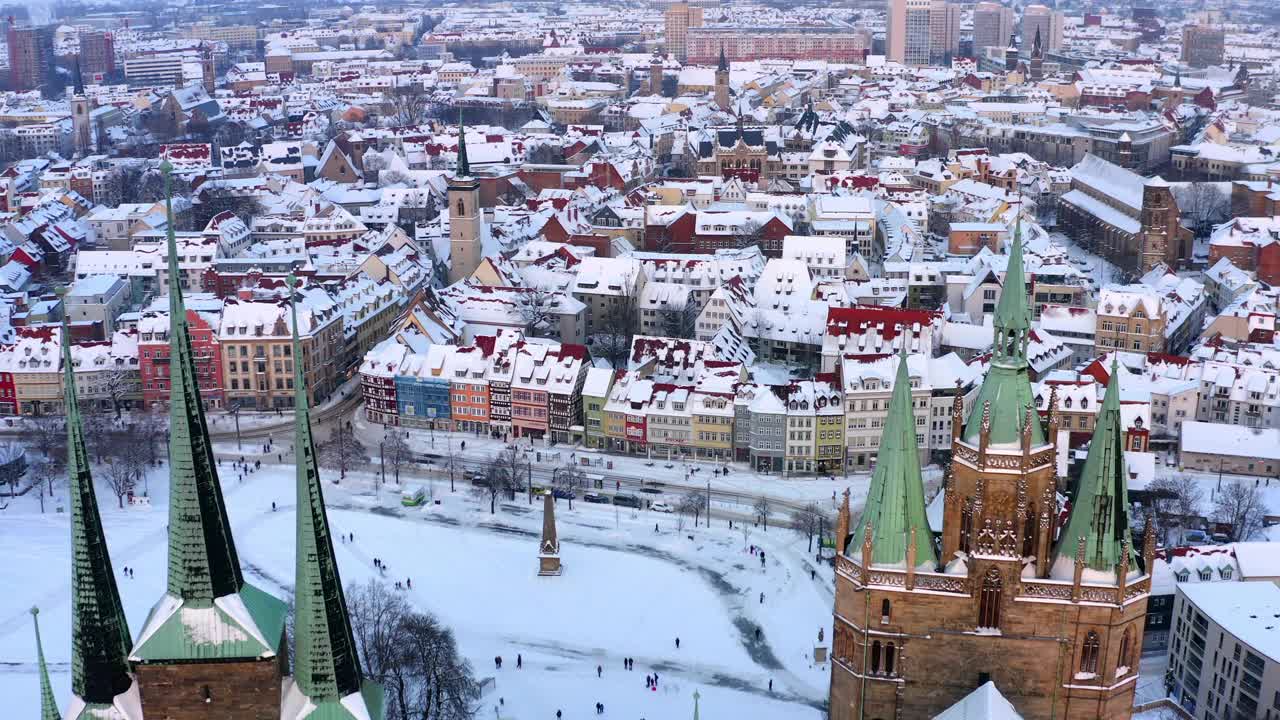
[1160, 225]
[465, 221]
[1011, 54]
[327, 681]
[81, 115]
[549, 545]
[101, 684]
[655, 75]
[211, 648]
[1037, 58]
[1056, 624]
[722, 82]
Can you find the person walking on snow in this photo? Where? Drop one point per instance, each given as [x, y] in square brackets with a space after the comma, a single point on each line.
[519, 661]
[761, 598]
[599, 671]
[677, 643]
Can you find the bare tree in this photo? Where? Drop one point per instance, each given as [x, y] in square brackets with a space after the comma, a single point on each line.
[411, 654]
[43, 477]
[341, 451]
[761, 510]
[680, 322]
[1239, 504]
[491, 482]
[692, 503]
[621, 322]
[410, 105]
[395, 451]
[48, 434]
[544, 154]
[217, 200]
[120, 477]
[13, 465]
[807, 521]
[567, 481]
[750, 234]
[121, 383]
[1204, 205]
[516, 469]
[1175, 503]
[537, 309]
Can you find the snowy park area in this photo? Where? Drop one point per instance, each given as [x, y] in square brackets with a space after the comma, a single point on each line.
[626, 591]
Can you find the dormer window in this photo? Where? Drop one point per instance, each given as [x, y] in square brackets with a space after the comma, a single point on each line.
[1182, 575]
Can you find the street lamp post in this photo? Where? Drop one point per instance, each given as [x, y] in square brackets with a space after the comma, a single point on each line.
[235, 413]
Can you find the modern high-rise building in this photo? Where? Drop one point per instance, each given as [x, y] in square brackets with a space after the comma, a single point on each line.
[679, 18]
[1203, 45]
[97, 56]
[1048, 21]
[944, 32]
[992, 26]
[30, 52]
[909, 32]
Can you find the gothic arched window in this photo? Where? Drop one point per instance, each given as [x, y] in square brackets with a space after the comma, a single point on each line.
[459, 206]
[1089, 654]
[989, 600]
[1125, 641]
[885, 607]
[875, 656]
[888, 659]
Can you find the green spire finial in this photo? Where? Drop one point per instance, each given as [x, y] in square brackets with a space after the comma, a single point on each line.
[1100, 510]
[326, 667]
[203, 564]
[1007, 386]
[895, 502]
[464, 166]
[696, 697]
[48, 706]
[1013, 318]
[100, 638]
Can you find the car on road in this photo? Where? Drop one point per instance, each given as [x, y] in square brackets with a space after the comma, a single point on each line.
[651, 490]
[563, 494]
[630, 501]
[596, 498]
[662, 507]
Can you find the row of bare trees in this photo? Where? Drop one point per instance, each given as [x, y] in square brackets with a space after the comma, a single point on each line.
[412, 654]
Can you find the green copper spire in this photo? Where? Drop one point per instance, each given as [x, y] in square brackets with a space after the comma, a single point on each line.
[100, 637]
[464, 166]
[895, 503]
[1007, 386]
[1100, 510]
[48, 706]
[208, 613]
[202, 554]
[325, 666]
[1013, 316]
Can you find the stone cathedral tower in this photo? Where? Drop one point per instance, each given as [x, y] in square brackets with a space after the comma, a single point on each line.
[465, 222]
[1052, 613]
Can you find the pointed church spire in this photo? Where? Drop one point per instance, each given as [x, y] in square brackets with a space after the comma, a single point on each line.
[78, 81]
[1100, 510]
[895, 504]
[1037, 49]
[100, 637]
[203, 564]
[236, 621]
[48, 706]
[1007, 387]
[325, 667]
[724, 63]
[464, 166]
[1013, 316]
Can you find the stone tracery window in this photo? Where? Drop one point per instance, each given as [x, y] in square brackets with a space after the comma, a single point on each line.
[989, 600]
[1089, 654]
